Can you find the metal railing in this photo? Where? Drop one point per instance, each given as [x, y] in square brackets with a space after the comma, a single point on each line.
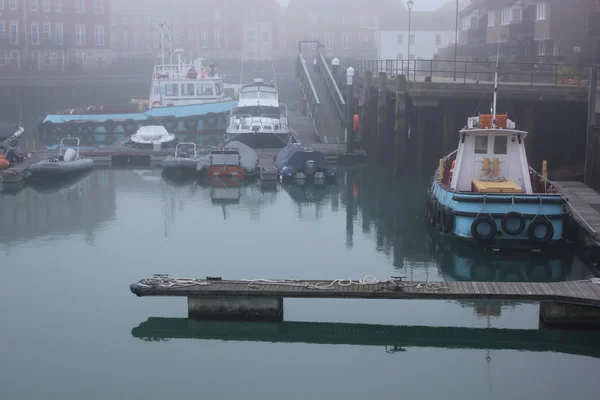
[266, 122]
[476, 71]
[333, 90]
[313, 105]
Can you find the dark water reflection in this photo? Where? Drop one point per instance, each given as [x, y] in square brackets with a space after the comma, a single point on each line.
[71, 328]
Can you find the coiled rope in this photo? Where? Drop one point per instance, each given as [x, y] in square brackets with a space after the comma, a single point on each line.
[165, 281]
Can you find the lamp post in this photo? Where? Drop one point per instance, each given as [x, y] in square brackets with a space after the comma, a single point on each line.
[409, 4]
[456, 40]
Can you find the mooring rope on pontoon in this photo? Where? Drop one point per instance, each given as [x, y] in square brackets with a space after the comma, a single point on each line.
[165, 281]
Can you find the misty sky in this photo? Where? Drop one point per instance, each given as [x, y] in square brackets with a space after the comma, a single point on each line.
[420, 5]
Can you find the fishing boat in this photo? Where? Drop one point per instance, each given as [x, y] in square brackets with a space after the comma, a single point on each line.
[152, 137]
[184, 160]
[68, 163]
[296, 161]
[260, 120]
[234, 160]
[486, 193]
[188, 99]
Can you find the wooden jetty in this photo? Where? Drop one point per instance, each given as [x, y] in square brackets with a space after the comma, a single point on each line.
[584, 204]
[571, 302]
[393, 338]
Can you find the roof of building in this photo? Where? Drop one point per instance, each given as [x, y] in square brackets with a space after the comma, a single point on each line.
[419, 21]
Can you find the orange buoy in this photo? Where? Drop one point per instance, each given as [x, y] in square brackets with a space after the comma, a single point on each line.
[356, 122]
[4, 163]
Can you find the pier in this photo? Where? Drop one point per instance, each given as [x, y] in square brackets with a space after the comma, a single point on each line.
[561, 303]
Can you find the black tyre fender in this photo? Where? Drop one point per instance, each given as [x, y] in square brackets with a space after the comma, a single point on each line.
[540, 221]
[448, 220]
[433, 213]
[211, 120]
[513, 215]
[190, 124]
[440, 220]
[483, 219]
[109, 125]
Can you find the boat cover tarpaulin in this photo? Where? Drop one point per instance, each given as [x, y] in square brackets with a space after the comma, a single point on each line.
[248, 157]
[295, 155]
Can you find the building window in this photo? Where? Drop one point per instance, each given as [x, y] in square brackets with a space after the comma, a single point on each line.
[3, 58]
[59, 34]
[2, 8]
[541, 47]
[265, 37]
[126, 40]
[46, 5]
[481, 144]
[217, 39]
[204, 39]
[250, 36]
[474, 21]
[80, 6]
[2, 30]
[47, 59]
[347, 20]
[491, 18]
[313, 19]
[330, 38]
[33, 4]
[540, 11]
[411, 39]
[60, 62]
[35, 34]
[35, 59]
[99, 35]
[47, 31]
[98, 6]
[363, 38]
[80, 35]
[12, 4]
[516, 14]
[148, 40]
[155, 40]
[506, 16]
[347, 41]
[14, 33]
[400, 39]
[136, 40]
[438, 39]
[58, 5]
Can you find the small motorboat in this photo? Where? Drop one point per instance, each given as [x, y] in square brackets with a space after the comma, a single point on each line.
[152, 137]
[68, 162]
[235, 160]
[296, 161]
[185, 159]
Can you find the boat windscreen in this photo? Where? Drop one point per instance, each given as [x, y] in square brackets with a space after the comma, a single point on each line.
[256, 111]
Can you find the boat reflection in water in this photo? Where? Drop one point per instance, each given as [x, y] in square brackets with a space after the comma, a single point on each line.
[461, 262]
[392, 338]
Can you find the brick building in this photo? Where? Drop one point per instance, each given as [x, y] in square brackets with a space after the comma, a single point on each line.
[53, 34]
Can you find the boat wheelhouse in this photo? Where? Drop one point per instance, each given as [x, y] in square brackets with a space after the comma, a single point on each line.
[487, 193]
[260, 120]
[186, 83]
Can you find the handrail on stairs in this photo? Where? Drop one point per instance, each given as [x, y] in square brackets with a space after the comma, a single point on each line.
[332, 88]
[313, 104]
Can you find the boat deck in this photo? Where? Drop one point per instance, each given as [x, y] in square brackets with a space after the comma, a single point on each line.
[584, 203]
[578, 292]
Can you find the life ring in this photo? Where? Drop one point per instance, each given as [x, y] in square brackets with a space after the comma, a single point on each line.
[483, 219]
[448, 220]
[210, 120]
[540, 221]
[451, 173]
[130, 126]
[109, 125]
[513, 215]
[191, 124]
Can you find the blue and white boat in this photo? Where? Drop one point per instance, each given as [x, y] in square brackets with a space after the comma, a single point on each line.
[485, 192]
[188, 99]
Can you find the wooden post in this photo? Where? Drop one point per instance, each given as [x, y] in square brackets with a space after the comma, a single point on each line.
[496, 166]
[381, 115]
[400, 128]
[365, 134]
[591, 177]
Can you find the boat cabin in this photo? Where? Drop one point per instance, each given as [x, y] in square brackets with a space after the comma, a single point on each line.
[490, 158]
[183, 84]
[258, 109]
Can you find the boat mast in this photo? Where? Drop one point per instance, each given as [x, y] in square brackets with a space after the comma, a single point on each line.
[495, 87]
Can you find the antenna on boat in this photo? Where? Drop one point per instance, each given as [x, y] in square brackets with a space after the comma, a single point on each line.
[274, 78]
[495, 87]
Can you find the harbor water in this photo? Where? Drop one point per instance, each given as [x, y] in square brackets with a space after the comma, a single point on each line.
[71, 329]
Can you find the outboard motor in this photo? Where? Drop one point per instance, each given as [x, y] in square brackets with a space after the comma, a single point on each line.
[70, 155]
[310, 169]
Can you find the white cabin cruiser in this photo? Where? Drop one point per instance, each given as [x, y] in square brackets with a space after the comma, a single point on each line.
[260, 120]
[152, 136]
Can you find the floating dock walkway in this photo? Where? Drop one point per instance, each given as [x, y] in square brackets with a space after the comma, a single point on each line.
[571, 302]
[584, 203]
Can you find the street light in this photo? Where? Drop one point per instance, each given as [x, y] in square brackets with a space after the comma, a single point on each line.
[409, 4]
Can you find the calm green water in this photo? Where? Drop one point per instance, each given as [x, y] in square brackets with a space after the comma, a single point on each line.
[71, 329]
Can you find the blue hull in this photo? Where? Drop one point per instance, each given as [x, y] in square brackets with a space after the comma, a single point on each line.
[469, 216]
[187, 122]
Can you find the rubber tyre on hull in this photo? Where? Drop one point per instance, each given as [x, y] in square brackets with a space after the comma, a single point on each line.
[483, 219]
[541, 222]
[513, 215]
